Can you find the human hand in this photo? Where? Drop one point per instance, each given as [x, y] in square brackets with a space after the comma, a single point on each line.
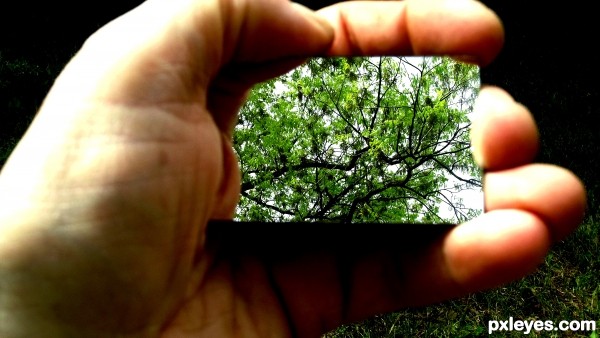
[105, 201]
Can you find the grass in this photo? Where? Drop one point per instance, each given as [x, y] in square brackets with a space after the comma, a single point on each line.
[565, 287]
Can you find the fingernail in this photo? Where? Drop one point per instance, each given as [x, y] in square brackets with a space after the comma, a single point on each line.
[491, 99]
[486, 103]
[477, 156]
[475, 133]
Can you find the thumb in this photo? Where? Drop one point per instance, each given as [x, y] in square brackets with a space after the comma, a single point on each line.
[176, 51]
[267, 39]
[278, 29]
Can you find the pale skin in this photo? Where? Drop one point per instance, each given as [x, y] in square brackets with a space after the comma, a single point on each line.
[105, 201]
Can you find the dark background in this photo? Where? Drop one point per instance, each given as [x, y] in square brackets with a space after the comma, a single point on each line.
[547, 64]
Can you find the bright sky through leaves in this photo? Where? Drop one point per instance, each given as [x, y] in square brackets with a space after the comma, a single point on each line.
[360, 139]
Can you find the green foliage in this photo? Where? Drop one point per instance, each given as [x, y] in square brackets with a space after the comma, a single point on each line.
[358, 139]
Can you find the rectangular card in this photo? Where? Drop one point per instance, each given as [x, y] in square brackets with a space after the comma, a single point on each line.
[361, 140]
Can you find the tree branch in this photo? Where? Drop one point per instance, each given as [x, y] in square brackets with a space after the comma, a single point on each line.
[307, 163]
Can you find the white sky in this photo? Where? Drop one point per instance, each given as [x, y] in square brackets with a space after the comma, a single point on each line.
[471, 198]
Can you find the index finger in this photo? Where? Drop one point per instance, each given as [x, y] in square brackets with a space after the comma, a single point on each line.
[465, 29]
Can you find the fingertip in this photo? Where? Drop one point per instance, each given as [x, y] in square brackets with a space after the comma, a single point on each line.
[553, 193]
[503, 131]
[574, 216]
[496, 248]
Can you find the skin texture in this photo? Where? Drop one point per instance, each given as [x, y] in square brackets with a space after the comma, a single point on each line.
[105, 200]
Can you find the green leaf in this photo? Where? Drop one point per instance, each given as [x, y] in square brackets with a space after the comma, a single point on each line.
[361, 139]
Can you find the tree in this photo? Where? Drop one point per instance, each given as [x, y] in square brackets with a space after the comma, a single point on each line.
[358, 139]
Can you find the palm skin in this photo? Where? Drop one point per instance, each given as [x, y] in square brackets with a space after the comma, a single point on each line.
[105, 201]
